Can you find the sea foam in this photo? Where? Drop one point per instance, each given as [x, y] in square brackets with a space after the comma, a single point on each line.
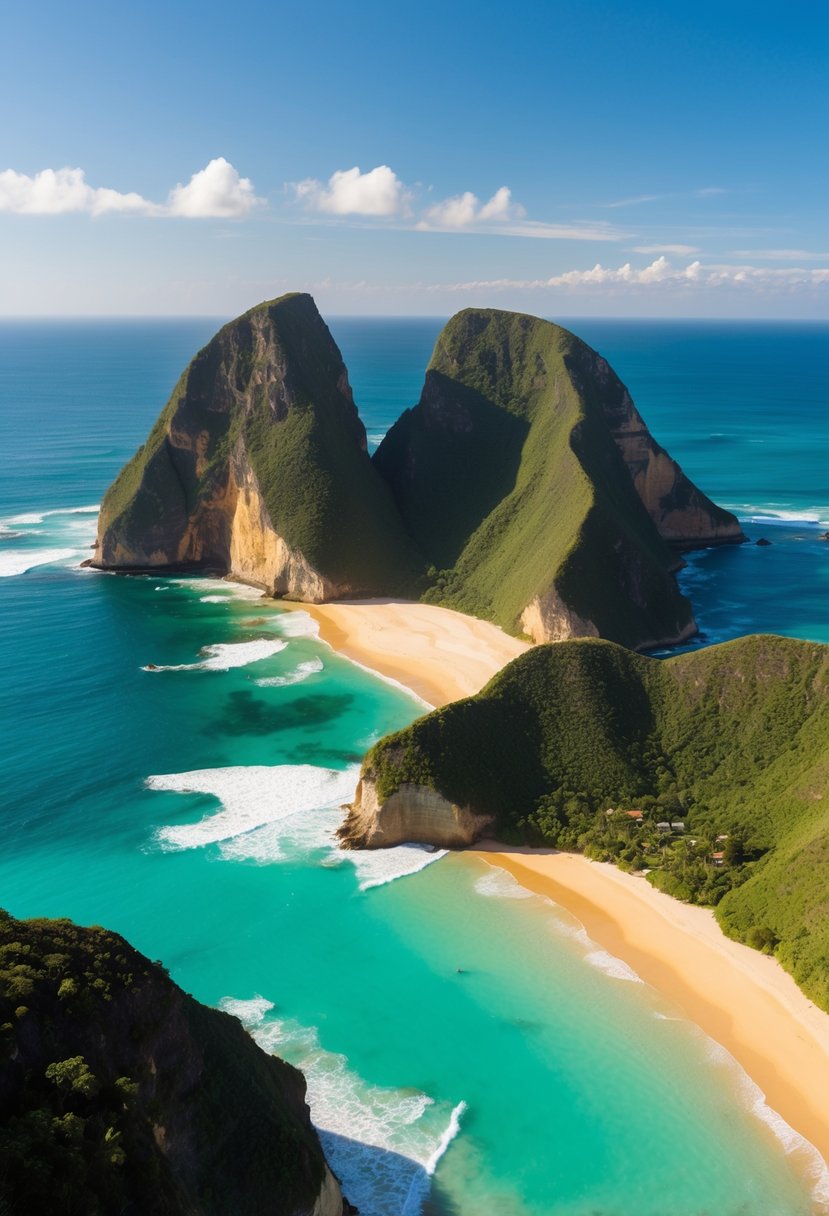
[20, 561]
[793, 1143]
[498, 884]
[270, 813]
[301, 672]
[251, 796]
[225, 655]
[383, 1143]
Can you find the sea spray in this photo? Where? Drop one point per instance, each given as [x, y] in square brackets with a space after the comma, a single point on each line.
[222, 656]
[384, 1144]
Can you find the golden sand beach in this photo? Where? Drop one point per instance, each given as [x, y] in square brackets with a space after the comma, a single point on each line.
[741, 998]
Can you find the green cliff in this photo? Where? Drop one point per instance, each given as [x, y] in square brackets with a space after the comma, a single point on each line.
[731, 742]
[532, 485]
[120, 1093]
[523, 488]
[257, 466]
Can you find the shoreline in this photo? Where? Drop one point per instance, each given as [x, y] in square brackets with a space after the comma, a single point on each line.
[438, 654]
[740, 998]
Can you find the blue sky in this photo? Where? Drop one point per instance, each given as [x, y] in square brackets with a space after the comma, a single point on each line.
[566, 159]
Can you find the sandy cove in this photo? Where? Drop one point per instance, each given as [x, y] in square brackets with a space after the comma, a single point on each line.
[439, 654]
[741, 998]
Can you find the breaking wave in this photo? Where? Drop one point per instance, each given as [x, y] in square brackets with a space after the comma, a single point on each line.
[300, 673]
[20, 561]
[251, 796]
[384, 1144]
[226, 655]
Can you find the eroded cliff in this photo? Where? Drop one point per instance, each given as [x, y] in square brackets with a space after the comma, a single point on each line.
[523, 488]
[257, 467]
[533, 487]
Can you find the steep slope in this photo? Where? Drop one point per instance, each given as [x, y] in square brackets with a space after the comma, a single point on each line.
[257, 467]
[532, 485]
[732, 741]
[120, 1093]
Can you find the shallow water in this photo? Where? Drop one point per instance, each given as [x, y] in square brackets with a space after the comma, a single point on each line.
[468, 1049]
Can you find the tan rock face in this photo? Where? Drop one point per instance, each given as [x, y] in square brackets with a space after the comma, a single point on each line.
[548, 619]
[413, 814]
[259, 555]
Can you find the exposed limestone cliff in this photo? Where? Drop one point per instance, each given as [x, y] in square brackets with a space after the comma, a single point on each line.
[258, 468]
[414, 814]
[120, 1093]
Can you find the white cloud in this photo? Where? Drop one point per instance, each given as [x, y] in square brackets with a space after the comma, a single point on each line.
[59, 191]
[680, 250]
[217, 191]
[464, 210]
[659, 273]
[379, 192]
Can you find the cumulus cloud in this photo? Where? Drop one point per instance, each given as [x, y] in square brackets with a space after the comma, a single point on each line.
[217, 191]
[59, 191]
[661, 274]
[464, 210]
[379, 192]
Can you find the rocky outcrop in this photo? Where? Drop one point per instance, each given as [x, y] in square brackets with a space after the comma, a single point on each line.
[132, 1097]
[413, 814]
[532, 485]
[523, 488]
[683, 515]
[257, 468]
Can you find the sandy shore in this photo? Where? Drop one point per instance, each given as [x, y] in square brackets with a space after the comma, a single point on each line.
[741, 998]
[441, 655]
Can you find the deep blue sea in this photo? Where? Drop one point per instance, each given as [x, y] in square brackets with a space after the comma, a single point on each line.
[468, 1049]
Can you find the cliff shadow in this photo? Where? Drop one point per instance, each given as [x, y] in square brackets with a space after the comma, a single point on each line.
[384, 1180]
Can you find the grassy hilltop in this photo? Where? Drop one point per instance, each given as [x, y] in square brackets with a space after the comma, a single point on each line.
[263, 412]
[120, 1093]
[732, 741]
[511, 475]
[523, 488]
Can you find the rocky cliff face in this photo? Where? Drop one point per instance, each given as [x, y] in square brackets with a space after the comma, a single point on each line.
[684, 516]
[120, 1093]
[413, 814]
[523, 488]
[257, 468]
[531, 483]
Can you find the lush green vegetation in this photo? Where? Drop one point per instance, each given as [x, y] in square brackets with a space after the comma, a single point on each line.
[509, 479]
[270, 389]
[502, 487]
[731, 742]
[119, 1093]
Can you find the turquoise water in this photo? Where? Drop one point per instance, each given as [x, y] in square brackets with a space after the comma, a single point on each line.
[468, 1049]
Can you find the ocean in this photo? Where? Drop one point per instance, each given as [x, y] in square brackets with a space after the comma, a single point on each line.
[468, 1049]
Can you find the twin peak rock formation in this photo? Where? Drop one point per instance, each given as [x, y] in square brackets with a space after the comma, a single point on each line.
[523, 488]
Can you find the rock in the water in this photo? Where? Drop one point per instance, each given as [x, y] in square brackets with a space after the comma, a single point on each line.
[524, 488]
[257, 467]
[533, 486]
[762, 542]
